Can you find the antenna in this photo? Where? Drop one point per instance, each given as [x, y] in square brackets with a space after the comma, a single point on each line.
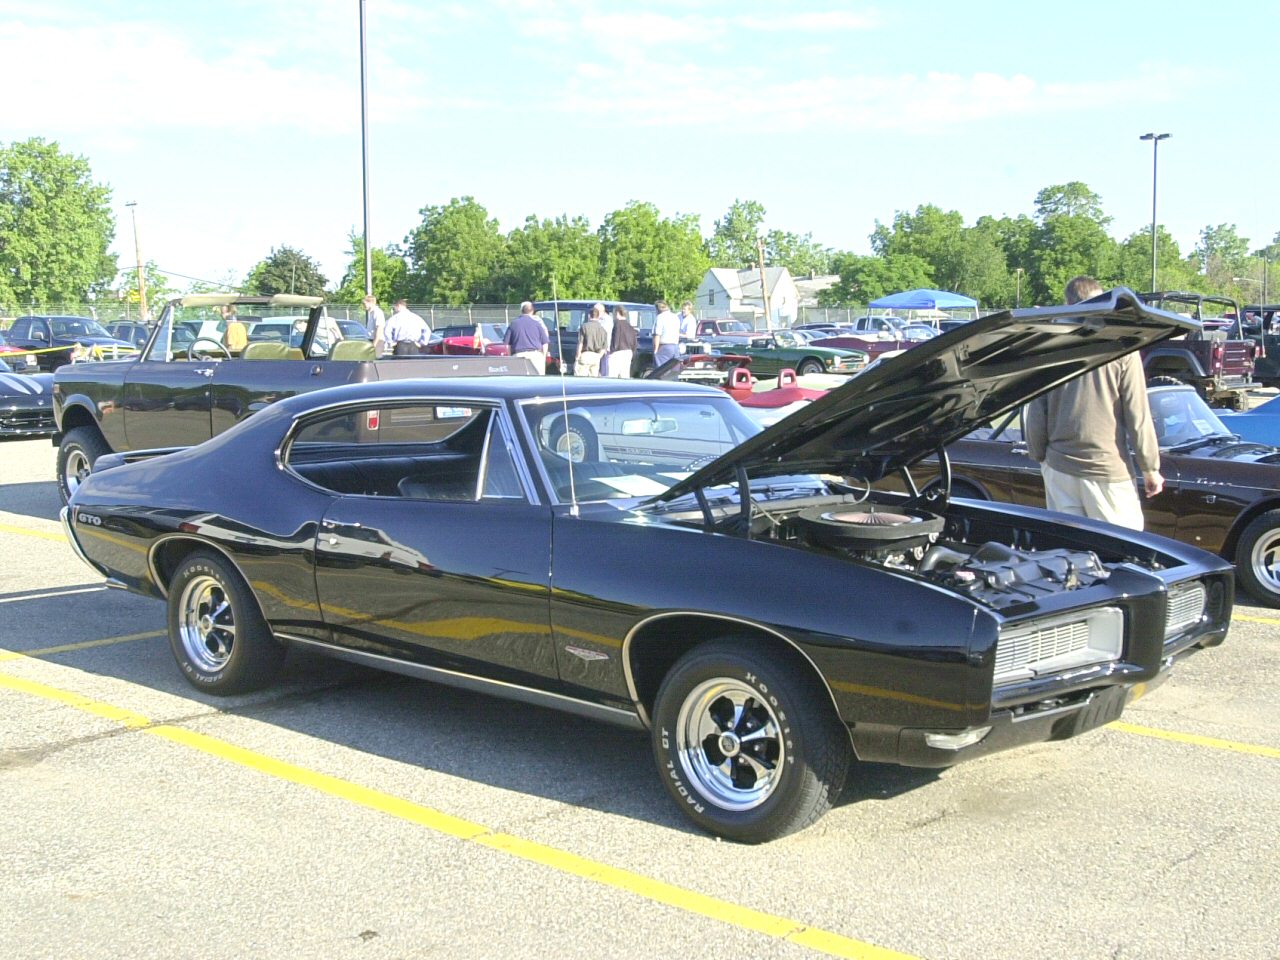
[564, 401]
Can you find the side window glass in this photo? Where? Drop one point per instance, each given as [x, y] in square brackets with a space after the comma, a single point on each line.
[420, 451]
[501, 481]
[20, 330]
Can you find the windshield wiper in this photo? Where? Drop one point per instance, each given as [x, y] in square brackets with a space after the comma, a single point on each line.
[1202, 441]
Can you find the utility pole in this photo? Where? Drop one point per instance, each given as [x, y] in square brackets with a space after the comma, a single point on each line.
[137, 250]
[364, 147]
[1155, 139]
[764, 286]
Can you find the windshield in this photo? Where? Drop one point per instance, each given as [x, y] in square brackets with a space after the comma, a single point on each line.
[77, 327]
[631, 446]
[1180, 416]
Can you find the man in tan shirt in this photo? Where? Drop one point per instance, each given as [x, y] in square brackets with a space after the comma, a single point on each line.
[1081, 434]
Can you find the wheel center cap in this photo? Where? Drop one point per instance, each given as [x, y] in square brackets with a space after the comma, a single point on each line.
[730, 744]
[206, 623]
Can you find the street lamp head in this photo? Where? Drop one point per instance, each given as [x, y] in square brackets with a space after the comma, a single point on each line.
[1155, 136]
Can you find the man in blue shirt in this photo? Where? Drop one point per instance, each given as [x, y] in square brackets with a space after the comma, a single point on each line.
[527, 337]
[666, 335]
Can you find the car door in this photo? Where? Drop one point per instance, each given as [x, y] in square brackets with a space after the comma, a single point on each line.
[166, 397]
[435, 549]
[243, 387]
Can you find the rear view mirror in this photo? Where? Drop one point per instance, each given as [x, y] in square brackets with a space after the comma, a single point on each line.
[643, 426]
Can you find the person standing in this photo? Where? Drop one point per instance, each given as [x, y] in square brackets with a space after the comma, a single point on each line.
[1082, 431]
[622, 344]
[406, 327]
[375, 321]
[688, 322]
[593, 341]
[235, 335]
[527, 337]
[666, 335]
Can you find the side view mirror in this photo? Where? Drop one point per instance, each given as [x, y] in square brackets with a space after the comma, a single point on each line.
[38, 335]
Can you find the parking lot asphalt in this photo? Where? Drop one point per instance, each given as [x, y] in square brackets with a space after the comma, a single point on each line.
[345, 812]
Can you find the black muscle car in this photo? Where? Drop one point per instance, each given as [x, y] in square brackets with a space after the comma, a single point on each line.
[26, 404]
[1221, 493]
[184, 386]
[641, 552]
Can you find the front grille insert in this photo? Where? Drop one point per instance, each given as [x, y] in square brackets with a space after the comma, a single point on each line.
[1034, 649]
[1185, 608]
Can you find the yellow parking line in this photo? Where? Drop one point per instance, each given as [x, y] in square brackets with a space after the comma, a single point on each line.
[1196, 740]
[31, 532]
[792, 931]
[84, 645]
[1248, 619]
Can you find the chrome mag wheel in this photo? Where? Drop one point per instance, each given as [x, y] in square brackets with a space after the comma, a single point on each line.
[207, 625]
[1265, 558]
[729, 742]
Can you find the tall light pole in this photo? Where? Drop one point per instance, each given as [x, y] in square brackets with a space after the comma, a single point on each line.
[1155, 139]
[364, 148]
[137, 250]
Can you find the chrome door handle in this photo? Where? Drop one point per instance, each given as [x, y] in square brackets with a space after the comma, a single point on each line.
[1021, 448]
[205, 373]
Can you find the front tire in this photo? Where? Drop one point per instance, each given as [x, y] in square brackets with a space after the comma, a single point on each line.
[217, 633]
[1258, 558]
[747, 743]
[77, 453]
[809, 366]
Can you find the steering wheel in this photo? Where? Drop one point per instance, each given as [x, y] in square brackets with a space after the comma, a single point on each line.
[195, 354]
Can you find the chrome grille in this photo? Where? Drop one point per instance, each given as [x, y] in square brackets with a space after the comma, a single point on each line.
[1185, 609]
[1029, 650]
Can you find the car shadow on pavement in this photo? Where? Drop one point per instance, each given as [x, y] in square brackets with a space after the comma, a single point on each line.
[499, 743]
[33, 499]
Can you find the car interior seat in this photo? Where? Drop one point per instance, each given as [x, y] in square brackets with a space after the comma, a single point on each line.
[266, 350]
[353, 350]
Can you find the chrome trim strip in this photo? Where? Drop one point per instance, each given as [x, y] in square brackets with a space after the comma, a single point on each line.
[467, 681]
[65, 516]
[626, 654]
[155, 573]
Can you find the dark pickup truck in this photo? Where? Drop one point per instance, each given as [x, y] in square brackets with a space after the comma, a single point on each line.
[180, 391]
[1218, 362]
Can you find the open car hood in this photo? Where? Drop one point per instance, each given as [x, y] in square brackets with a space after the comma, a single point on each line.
[909, 406]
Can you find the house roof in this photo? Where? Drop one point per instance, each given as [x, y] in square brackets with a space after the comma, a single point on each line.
[741, 284]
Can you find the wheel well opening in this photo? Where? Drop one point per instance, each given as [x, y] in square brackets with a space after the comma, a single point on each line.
[1246, 517]
[77, 416]
[657, 646]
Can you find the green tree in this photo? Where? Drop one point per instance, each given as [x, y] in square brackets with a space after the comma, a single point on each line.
[454, 254]
[733, 242]
[389, 273]
[159, 287]
[565, 250]
[1222, 254]
[285, 270]
[646, 257]
[1073, 199]
[55, 226]
[799, 254]
[1133, 264]
[863, 278]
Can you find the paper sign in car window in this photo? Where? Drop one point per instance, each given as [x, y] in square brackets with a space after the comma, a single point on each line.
[451, 413]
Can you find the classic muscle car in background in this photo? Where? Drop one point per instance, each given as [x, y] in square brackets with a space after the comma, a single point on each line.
[181, 389]
[772, 350]
[947, 629]
[26, 404]
[1261, 424]
[1221, 493]
[461, 340]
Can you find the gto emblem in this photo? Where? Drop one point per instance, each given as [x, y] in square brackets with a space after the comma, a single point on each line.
[88, 518]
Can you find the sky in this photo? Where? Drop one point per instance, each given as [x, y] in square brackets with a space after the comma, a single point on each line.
[235, 126]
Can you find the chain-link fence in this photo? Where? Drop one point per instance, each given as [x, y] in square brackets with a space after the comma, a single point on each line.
[112, 311]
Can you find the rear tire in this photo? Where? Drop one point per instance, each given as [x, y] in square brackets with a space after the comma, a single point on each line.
[77, 453]
[217, 632]
[747, 742]
[1258, 558]
[577, 443]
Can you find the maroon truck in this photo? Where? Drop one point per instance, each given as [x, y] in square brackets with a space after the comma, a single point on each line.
[1218, 361]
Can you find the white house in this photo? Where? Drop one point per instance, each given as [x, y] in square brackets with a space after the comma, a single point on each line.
[724, 292]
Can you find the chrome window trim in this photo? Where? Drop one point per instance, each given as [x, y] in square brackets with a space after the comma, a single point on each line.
[470, 681]
[302, 418]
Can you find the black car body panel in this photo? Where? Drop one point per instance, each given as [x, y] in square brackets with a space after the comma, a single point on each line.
[473, 591]
[26, 404]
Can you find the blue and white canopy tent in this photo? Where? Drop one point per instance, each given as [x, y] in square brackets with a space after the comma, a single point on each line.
[928, 305]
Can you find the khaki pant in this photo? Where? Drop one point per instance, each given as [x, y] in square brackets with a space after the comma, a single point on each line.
[537, 358]
[1113, 501]
[587, 364]
[620, 364]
